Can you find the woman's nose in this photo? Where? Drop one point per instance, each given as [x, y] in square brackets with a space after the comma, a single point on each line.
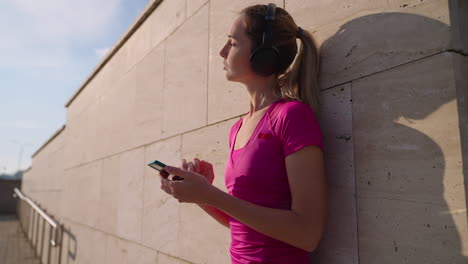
[223, 51]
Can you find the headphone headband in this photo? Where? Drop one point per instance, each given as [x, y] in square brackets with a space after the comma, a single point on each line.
[271, 11]
[269, 18]
[265, 58]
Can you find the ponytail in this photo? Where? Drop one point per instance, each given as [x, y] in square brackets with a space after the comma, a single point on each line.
[300, 82]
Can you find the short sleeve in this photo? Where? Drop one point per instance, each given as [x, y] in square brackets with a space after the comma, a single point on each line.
[298, 127]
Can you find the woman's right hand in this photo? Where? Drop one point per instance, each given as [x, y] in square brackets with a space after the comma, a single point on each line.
[201, 167]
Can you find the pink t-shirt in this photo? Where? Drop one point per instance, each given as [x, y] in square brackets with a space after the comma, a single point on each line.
[257, 173]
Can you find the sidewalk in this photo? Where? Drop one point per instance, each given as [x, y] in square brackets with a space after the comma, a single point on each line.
[14, 247]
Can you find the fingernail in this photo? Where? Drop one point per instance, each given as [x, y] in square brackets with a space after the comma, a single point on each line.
[164, 174]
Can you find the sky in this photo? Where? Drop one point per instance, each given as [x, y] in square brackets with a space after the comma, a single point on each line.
[47, 49]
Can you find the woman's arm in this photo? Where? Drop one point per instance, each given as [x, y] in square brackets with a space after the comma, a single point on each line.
[217, 214]
[302, 226]
[206, 169]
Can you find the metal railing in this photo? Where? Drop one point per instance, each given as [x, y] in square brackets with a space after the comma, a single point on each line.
[30, 223]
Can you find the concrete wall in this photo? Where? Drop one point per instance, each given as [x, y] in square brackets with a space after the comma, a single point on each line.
[393, 89]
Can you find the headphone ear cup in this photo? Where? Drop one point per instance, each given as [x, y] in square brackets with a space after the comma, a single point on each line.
[265, 61]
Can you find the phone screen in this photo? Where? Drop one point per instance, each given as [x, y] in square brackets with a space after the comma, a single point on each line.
[157, 165]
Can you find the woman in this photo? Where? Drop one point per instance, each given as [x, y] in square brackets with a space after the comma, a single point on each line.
[275, 208]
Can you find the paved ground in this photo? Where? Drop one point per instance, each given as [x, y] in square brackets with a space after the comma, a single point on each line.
[14, 248]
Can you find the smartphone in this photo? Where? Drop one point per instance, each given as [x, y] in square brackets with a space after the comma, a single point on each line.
[157, 165]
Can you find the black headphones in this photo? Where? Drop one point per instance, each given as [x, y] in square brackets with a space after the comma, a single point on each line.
[265, 58]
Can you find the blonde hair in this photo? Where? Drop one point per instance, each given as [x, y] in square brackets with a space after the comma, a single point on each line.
[297, 75]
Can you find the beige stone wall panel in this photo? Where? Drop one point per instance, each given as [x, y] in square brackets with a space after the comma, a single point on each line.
[52, 203]
[117, 66]
[210, 144]
[98, 132]
[185, 76]
[26, 182]
[336, 124]
[46, 185]
[167, 17]
[459, 24]
[139, 45]
[116, 250]
[322, 13]
[109, 195]
[89, 131]
[141, 255]
[130, 202]
[160, 221]
[166, 259]
[408, 165]
[148, 112]
[94, 89]
[193, 6]
[461, 80]
[120, 251]
[396, 231]
[81, 193]
[339, 243]
[83, 245]
[122, 111]
[104, 128]
[358, 38]
[201, 238]
[115, 128]
[225, 99]
[82, 142]
[82, 101]
[120, 119]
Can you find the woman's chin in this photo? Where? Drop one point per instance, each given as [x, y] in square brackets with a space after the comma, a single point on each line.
[228, 76]
[233, 77]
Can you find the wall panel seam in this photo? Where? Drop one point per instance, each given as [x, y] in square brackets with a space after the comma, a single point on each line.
[109, 234]
[355, 176]
[387, 69]
[152, 142]
[208, 64]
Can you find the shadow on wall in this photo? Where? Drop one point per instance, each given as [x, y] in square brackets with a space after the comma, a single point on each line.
[402, 212]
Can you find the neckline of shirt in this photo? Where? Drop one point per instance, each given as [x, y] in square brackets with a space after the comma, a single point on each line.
[252, 135]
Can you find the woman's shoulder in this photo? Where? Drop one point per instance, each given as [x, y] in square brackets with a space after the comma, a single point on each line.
[291, 113]
[291, 107]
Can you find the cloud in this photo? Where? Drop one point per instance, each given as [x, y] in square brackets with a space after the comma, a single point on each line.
[67, 18]
[46, 33]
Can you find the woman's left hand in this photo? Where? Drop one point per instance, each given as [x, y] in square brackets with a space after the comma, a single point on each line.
[194, 188]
